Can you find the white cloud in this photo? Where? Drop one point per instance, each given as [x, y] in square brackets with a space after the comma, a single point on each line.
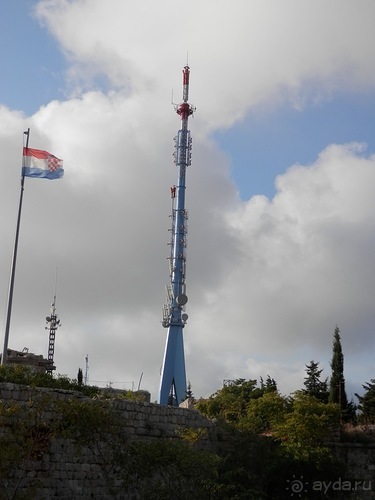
[267, 279]
[255, 52]
[305, 265]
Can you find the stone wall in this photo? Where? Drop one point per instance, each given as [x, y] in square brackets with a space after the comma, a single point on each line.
[360, 463]
[62, 472]
[142, 419]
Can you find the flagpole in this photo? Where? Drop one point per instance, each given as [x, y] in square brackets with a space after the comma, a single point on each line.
[13, 267]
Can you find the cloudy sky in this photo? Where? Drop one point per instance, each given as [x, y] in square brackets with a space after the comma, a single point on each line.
[281, 243]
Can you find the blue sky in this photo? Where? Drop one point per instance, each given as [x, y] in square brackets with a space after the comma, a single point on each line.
[32, 63]
[266, 143]
[274, 85]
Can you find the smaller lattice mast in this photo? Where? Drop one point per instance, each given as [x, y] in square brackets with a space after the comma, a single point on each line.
[53, 323]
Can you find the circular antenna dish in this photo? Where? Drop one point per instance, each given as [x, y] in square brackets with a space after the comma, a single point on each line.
[181, 299]
[185, 317]
[48, 319]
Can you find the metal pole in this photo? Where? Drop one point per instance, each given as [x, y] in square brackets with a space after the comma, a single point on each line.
[13, 267]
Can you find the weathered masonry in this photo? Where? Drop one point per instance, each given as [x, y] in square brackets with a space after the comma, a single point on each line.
[59, 471]
[56, 468]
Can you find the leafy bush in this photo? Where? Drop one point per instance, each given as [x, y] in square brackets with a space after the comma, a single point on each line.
[304, 430]
[168, 468]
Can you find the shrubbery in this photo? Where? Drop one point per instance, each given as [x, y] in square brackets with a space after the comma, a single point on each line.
[25, 376]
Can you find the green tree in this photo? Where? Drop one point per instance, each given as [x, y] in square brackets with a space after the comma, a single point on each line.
[269, 385]
[304, 429]
[263, 413]
[80, 377]
[367, 403]
[337, 393]
[313, 385]
[230, 402]
[189, 392]
[271, 439]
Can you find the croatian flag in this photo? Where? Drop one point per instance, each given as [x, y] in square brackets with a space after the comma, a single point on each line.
[39, 163]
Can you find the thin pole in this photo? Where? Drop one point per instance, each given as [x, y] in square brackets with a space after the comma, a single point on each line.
[13, 267]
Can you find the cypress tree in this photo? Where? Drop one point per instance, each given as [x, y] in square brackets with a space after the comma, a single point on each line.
[337, 393]
[189, 392]
[80, 376]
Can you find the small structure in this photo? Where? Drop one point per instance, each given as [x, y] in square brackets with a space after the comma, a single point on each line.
[35, 362]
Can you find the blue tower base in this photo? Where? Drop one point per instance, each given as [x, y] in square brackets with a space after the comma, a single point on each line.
[173, 380]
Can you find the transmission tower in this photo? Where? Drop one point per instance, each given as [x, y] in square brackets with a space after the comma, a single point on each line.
[173, 376]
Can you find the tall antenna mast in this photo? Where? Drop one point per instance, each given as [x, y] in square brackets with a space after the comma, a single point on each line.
[173, 376]
[53, 323]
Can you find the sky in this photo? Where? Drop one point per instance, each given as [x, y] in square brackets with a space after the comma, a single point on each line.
[281, 241]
